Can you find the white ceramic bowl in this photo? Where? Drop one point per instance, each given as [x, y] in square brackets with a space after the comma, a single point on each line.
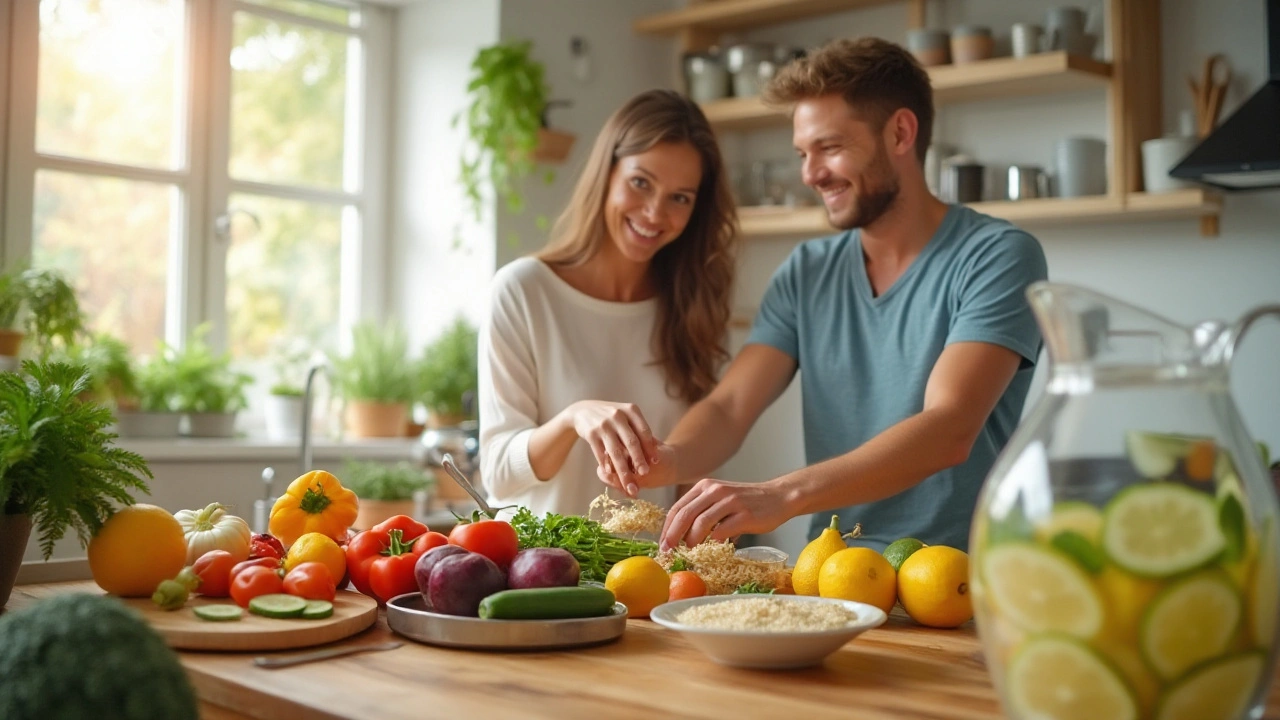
[764, 648]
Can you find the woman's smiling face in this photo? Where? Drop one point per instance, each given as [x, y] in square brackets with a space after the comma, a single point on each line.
[651, 198]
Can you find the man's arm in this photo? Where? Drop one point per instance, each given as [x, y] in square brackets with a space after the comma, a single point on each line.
[963, 388]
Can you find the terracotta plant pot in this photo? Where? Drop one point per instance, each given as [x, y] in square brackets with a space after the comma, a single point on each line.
[437, 420]
[553, 146]
[367, 418]
[14, 531]
[10, 342]
[373, 512]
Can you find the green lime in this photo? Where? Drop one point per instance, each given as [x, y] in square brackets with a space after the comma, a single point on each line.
[1161, 529]
[1041, 590]
[1081, 550]
[1060, 678]
[1189, 622]
[1220, 689]
[901, 549]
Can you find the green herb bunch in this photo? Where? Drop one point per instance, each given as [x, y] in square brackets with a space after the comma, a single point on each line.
[378, 367]
[379, 481]
[449, 367]
[57, 464]
[595, 548]
[52, 311]
[109, 363]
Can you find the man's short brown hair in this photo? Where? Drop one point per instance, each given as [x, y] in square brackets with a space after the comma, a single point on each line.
[876, 78]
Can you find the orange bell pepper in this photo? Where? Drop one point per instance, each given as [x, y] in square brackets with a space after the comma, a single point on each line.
[315, 502]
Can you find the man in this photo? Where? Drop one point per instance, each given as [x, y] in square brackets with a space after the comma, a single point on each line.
[910, 328]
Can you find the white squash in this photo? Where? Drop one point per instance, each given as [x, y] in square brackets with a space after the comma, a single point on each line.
[213, 529]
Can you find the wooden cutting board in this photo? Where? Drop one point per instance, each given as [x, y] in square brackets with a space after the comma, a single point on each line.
[352, 612]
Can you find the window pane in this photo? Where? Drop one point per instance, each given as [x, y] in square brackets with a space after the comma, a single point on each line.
[109, 80]
[288, 85]
[111, 238]
[313, 9]
[282, 275]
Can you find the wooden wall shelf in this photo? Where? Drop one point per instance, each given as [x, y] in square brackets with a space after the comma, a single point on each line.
[1042, 74]
[1189, 203]
[723, 15]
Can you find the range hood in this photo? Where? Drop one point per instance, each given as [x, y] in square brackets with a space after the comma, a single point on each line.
[1243, 153]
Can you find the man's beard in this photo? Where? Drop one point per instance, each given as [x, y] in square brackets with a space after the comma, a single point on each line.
[873, 200]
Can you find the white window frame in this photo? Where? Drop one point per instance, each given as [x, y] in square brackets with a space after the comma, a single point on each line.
[197, 266]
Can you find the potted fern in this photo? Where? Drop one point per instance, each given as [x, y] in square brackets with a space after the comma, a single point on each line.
[447, 374]
[152, 412]
[59, 469]
[209, 391]
[376, 380]
[506, 123]
[112, 381]
[385, 490]
[39, 306]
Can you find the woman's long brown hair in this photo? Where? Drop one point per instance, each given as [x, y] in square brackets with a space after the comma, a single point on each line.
[694, 273]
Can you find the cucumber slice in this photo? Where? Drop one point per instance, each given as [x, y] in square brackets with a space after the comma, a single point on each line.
[1190, 622]
[218, 613]
[1220, 689]
[317, 610]
[1161, 529]
[1041, 590]
[278, 605]
[1060, 678]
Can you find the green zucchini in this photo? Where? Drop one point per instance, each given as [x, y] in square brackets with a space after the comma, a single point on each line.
[553, 603]
[278, 605]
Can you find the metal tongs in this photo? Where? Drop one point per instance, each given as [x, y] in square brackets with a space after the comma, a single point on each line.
[461, 479]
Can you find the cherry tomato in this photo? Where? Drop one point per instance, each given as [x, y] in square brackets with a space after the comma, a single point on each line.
[686, 584]
[254, 581]
[428, 540]
[266, 562]
[310, 580]
[495, 539]
[214, 570]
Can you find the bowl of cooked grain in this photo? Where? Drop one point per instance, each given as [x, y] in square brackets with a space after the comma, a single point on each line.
[768, 631]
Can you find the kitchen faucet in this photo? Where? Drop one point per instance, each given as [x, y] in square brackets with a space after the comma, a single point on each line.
[304, 444]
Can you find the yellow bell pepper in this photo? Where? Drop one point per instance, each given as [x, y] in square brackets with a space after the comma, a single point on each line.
[315, 502]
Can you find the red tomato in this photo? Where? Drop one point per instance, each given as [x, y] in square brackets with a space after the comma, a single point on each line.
[265, 545]
[254, 581]
[495, 539]
[392, 575]
[266, 562]
[214, 570]
[310, 580]
[427, 541]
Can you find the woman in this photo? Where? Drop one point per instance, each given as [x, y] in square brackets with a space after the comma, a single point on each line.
[614, 329]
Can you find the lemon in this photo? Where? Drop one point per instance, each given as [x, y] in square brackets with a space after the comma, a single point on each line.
[899, 550]
[933, 587]
[1059, 678]
[1080, 517]
[804, 576]
[1161, 529]
[1221, 689]
[1264, 593]
[1191, 621]
[640, 583]
[859, 574]
[1041, 590]
[1125, 598]
[135, 549]
[317, 547]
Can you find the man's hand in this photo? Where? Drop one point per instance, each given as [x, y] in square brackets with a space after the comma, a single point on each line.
[722, 510]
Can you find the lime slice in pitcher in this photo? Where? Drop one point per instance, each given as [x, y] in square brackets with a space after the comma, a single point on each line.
[1221, 689]
[1059, 678]
[1041, 590]
[1189, 622]
[1161, 529]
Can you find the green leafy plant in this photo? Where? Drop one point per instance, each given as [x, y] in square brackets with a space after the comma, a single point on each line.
[379, 481]
[110, 366]
[57, 464]
[41, 304]
[378, 367]
[594, 547]
[507, 95]
[448, 368]
[191, 379]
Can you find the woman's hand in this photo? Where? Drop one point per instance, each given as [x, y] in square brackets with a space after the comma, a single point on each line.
[619, 437]
[662, 472]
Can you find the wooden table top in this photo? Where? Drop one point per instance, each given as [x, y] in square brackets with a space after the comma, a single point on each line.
[898, 671]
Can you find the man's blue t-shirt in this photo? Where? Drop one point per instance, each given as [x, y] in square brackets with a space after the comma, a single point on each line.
[864, 360]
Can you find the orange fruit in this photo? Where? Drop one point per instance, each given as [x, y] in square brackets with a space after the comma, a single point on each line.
[686, 584]
[640, 583]
[859, 574]
[933, 587]
[135, 549]
[317, 547]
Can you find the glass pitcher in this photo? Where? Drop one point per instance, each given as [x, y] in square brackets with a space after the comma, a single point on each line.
[1125, 549]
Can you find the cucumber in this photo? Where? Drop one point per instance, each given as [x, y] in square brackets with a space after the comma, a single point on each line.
[278, 605]
[547, 603]
[317, 610]
[218, 613]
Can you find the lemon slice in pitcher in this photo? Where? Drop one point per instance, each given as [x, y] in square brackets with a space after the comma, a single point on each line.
[1059, 678]
[1073, 515]
[1189, 622]
[1161, 529]
[1041, 590]
[1221, 689]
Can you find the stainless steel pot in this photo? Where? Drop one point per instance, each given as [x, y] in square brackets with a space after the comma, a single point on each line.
[1027, 181]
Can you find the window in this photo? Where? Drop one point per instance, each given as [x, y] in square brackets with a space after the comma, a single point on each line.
[191, 161]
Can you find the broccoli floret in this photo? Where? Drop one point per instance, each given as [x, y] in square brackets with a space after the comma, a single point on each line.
[81, 656]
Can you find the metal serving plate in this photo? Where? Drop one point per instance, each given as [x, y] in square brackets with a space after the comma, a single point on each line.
[407, 615]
